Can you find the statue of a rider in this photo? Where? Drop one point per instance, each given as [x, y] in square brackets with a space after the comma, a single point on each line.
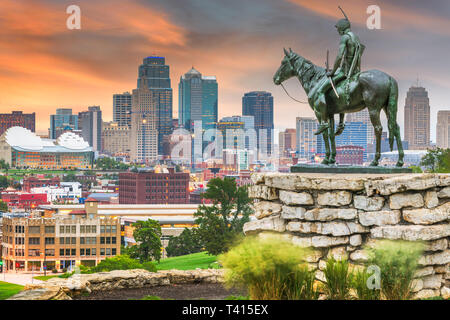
[347, 65]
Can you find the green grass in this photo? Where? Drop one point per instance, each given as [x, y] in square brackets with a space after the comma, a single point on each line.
[45, 278]
[193, 261]
[9, 289]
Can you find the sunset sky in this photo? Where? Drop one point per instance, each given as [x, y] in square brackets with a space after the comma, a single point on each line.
[44, 66]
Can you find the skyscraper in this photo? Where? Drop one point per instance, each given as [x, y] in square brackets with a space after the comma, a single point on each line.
[306, 140]
[122, 109]
[259, 104]
[197, 100]
[144, 119]
[287, 142]
[363, 116]
[62, 120]
[443, 129]
[154, 75]
[90, 124]
[417, 118]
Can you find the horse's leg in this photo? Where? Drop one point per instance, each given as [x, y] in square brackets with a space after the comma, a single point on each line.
[327, 147]
[332, 159]
[341, 124]
[375, 119]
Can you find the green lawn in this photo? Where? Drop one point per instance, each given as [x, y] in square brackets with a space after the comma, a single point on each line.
[45, 278]
[9, 289]
[200, 260]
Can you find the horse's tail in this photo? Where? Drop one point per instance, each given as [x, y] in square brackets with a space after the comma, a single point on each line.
[391, 111]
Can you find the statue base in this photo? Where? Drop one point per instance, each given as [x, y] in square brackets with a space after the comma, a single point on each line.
[321, 168]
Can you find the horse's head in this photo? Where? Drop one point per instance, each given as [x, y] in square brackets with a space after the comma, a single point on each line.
[286, 70]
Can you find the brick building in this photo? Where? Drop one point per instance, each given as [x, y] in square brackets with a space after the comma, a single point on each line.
[81, 237]
[353, 155]
[17, 119]
[34, 182]
[150, 187]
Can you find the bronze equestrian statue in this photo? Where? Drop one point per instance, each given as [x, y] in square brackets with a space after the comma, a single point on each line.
[353, 91]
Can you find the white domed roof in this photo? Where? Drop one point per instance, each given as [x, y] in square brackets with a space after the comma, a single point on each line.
[23, 138]
[72, 141]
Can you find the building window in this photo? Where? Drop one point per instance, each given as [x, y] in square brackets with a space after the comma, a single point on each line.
[108, 251]
[49, 252]
[20, 240]
[102, 251]
[82, 240]
[67, 229]
[73, 252]
[113, 240]
[61, 240]
[81, 252]
[34, 229]
[108, 229]
[34, 240]
[82, 229]
[49, 229]
[108, 240]
[49, 240]
[102, 240]
[61, 252]
[113, 251]
[88, 252]
[73, 229]
[94, 251]
[74, 240]
[67, 252]
[102, 229]
[114, 229]
[33, 252]
[94, 229]
[61, 229]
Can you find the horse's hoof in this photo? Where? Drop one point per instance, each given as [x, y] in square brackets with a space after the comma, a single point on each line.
[399, 164]
[374, 164]
[325, 162]
[339, 131]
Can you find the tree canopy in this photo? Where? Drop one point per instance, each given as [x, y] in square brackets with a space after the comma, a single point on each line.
[437, 160]
[147, 235]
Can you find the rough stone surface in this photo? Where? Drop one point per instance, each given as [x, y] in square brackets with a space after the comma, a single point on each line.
[411, 232]
[355, 240]
[368, 203]
[401, 183]
[424, 272]
[379, 218]
[426, 293]
[336, 198]
[402, 200]
[328, 214]
[437, 245]
[444, 193]
[427, 216]
[436, 258]
[326, 228]
[266, 224]
[338, 253]
[266, 208]
[432, 281]
[359, 256]
[431, 199]
[325, 241]
[292, 212]
[445, 293]
[262, 192]
[296, 198]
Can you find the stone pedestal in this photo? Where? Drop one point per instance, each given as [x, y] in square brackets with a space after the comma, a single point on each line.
[338, 214]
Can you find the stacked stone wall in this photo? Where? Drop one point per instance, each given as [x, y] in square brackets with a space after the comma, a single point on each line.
[339, 215]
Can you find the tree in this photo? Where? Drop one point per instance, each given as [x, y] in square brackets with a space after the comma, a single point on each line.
[148, 241]
[437, 160]
[186, 243]
[3, 206]
[221, 223]
[70, 177]
[4, 182]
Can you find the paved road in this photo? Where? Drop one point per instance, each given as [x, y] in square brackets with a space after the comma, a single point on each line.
[19, 278]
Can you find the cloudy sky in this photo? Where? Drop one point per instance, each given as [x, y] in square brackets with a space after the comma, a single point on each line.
[43, 65]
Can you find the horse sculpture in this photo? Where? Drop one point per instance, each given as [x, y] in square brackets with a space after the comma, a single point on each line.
[373, 89]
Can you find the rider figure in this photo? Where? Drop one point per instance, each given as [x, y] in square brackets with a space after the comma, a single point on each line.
[347, 64]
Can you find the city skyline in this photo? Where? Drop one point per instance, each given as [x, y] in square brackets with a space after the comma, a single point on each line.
[58, 75]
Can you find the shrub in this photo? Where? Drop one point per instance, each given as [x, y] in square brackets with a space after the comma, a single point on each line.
[149, 266]
[363, 292]
[64, 270]
[54, 270]
[338, 279]
[398, 261]
[270, 268]
[122, 262]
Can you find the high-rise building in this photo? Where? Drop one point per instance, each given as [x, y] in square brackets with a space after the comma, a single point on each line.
[417, 118]
[306, 140]
[62, 121]
[154, 75]
[197, 100]
[17, 119]
[443, 129]
[144, 132]
[363, 116]
[287, 142]
[259, 104]
[122, 109]
[115, 138]
[250, 137]
[90, 124]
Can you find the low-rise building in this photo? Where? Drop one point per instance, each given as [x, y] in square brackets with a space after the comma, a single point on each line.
[66, 192]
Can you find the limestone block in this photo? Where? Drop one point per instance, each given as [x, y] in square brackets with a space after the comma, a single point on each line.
[359, 256]
[302, 241]
[322, 264]
[335, 198]
[431, 199]
[379, 218]
[435, 258]
[416, 285]
[262, 192]
[429, 270]
[292, 212]
[338, 253]
[296, 198]
[411, 232]
[444, 269]
[432, 282]
[274, 223]
[328, 214]
[320, 275]
[258, 178]
[368, 203]
[314, 256]
[444, 193]
[445, 293]
[324, 241]
[437, 245]
[426, 293]
[427, 216]
[402, 200]
[266, 208]
[402, 183]
[355, 240]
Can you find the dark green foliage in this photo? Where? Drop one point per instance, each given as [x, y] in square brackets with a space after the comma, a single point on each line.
[121, 262]
[148, 241]
[3, 206]
[186, 243]
[221, 223]
[363, 292]
[70, 177]
[338, 279]
[149, 266]
[398, 262]
[437, 160]
[4, 182]
[107, 163]
[151, 298]
[237, 298]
